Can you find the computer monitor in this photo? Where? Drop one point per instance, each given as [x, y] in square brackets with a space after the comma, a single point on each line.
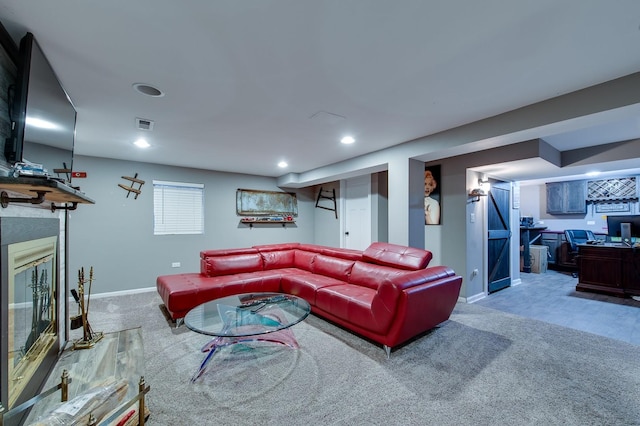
[623, 228]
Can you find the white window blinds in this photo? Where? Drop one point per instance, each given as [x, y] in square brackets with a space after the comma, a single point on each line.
[178, 208]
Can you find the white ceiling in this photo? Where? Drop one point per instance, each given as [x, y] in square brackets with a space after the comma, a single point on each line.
[537, 171]
[249, 83]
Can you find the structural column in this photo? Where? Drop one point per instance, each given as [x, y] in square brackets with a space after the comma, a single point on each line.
[406, 202]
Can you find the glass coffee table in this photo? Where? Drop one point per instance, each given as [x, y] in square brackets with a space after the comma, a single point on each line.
[248, 317]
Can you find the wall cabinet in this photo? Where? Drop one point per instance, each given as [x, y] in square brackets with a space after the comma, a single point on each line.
[567, 197]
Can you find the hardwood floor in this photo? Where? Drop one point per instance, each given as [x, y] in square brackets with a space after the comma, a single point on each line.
[118, 358]
[552, 297]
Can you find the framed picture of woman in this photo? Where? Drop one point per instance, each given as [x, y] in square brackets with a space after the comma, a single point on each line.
[432, 198]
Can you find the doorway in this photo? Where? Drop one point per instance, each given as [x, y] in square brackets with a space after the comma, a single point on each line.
[356, 222]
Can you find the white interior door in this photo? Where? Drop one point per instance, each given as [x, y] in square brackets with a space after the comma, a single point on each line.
[356, 222]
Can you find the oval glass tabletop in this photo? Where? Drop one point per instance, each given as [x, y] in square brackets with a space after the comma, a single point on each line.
[247, 314]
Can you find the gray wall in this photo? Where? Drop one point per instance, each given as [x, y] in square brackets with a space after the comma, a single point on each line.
[380, 210]
[115, 235]
[326, 226]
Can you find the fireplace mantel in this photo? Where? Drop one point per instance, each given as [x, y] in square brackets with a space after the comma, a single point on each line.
[41, 189]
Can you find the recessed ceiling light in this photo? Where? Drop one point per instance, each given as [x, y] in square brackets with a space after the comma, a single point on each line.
[149, 90]
[347, 140]
[282, 164]
[141, 143]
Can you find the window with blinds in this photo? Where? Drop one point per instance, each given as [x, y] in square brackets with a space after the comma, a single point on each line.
[178, 208]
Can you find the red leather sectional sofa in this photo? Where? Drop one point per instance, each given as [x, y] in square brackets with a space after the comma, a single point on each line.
[385, 293]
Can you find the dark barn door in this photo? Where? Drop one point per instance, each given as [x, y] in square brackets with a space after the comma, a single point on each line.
[499, 236]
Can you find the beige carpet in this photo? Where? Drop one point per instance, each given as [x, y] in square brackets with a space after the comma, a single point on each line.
[482, 367]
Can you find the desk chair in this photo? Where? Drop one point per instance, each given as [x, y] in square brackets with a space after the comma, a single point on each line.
[575, 237]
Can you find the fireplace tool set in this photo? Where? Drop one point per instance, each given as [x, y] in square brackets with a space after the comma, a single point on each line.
[41, 299]
[89, 337]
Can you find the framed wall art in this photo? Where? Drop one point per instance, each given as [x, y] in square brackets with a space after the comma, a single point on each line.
[266, 203]
[432, 195]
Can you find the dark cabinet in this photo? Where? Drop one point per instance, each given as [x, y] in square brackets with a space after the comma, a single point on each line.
[631, 271]
[567, 197]
[559, 250]
[553, 240]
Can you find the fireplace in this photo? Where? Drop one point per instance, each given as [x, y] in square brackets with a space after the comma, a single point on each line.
[29, 304]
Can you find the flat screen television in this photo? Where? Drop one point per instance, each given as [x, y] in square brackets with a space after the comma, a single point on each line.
[42, 115]
[618, 231]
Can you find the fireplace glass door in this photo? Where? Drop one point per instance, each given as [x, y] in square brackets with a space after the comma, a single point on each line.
[32, 309]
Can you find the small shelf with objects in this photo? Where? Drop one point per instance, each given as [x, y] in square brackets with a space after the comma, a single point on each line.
[40, 189]
[281, 220]
[480, 191]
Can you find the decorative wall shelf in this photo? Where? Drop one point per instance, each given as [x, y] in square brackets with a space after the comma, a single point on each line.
[270, 221]
[41, 189]
[607, 190]
[475, 195]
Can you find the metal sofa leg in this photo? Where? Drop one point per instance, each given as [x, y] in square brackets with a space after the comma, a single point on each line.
[387, 350]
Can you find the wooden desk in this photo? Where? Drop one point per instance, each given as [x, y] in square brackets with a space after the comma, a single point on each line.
[609, 268]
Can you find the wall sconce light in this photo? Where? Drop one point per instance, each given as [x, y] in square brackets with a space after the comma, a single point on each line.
[481, 191]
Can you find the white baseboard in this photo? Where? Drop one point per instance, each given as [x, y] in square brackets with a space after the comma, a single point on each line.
[475, 297]
[119, 293]
[482, 295]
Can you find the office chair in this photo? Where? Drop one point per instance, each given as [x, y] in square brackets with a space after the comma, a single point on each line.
[575, 237]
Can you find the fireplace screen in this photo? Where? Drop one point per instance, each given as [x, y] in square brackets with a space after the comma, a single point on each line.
[32, 311]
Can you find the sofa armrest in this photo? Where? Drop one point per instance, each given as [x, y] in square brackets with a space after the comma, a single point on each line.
[389, 290]
[424, 302]
[422, 276]
[415, 301]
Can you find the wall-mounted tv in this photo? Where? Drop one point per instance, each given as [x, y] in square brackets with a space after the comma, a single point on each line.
[42, 114]
[8, 71]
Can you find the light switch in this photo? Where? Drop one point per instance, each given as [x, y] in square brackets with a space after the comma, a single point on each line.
[472, 217]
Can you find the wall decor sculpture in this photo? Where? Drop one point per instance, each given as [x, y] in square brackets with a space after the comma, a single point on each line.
[129, 188]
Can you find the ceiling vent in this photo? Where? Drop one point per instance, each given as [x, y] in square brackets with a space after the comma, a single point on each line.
[144, 124]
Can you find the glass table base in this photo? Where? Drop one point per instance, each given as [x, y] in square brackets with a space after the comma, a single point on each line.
[282, 337]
